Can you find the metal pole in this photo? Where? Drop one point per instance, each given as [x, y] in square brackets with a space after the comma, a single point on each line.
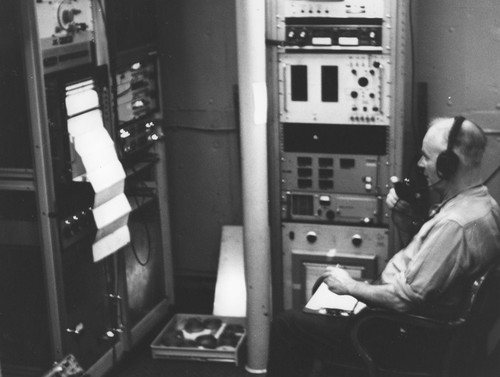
[43, 172]
[250, 27]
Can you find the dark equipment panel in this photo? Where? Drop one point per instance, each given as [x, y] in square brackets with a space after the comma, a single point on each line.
[15, 141]
[132, 24]
[335, 139]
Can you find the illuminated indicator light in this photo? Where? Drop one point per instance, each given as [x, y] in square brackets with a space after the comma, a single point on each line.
[154, 137]
[324, 200]
[348, 41]
[322, 41]
[136, 66]
[124, 134]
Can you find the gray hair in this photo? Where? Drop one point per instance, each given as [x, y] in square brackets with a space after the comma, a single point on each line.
[471, 140]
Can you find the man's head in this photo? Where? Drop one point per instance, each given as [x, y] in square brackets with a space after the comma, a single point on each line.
[468, 143]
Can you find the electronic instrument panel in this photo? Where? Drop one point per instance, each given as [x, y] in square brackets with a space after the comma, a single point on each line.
[335, 88]
[335, 8]
[66, 30]
[335, 69]
[137, 105]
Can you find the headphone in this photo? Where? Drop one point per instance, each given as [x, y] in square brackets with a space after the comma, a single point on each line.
[447, 161]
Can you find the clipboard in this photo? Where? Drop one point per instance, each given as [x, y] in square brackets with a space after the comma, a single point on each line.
[326, 302]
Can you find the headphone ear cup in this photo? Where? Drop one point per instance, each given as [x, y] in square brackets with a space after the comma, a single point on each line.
[446, 164]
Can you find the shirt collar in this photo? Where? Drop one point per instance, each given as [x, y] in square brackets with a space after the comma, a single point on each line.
[473, 190]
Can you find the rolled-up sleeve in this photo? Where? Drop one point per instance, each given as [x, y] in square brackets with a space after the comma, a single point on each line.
[429, 264]
[450, 250]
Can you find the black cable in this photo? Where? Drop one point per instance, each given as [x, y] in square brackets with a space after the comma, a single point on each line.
[148, 237]
[144, 220]
[396, 225]
[134, 250]
[414, 220]
[490, 177]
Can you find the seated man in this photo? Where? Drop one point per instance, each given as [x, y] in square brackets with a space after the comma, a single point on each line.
[456, 244]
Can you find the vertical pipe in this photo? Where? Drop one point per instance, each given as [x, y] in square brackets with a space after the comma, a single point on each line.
[250, 27]
[43, 172]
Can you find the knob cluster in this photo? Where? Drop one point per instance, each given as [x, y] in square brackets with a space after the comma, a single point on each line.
[77, 222]
[312, 237]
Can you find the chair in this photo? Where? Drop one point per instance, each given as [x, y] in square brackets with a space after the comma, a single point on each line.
[413, 345]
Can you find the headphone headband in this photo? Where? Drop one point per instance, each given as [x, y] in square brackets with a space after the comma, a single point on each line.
[447, 161]
[455, 129]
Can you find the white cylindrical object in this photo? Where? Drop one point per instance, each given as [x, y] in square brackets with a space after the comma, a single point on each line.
[250, 21]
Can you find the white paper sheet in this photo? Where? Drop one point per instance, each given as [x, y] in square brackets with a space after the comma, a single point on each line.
[325, 300]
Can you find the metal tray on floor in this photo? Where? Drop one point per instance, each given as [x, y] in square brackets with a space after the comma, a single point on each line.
[183, 336]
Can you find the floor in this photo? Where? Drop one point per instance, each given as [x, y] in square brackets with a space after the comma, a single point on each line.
[193, 296]
[142, 364]
[196, 297]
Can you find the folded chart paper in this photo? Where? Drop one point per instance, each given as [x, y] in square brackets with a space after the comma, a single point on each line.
[103, 170]
[324, 301]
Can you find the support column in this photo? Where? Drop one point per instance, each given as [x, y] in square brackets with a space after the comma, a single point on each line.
[250, 22]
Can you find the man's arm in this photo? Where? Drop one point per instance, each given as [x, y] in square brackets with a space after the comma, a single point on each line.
[339, 281]
[401, 215]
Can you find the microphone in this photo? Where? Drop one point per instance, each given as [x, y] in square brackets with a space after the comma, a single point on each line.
[405, 190]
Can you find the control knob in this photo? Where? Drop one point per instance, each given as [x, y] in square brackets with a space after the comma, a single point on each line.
[330, 215]
[311, 236]
[357, 240]
[363, 81]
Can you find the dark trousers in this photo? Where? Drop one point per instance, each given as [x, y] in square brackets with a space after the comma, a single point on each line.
[298, 338]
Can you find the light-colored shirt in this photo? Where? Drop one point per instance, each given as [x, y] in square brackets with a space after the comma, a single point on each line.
[451, 249]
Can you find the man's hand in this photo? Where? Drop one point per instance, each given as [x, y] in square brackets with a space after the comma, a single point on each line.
[395, 203]
[338, 280]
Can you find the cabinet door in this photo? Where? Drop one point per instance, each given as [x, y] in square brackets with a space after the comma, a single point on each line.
[24, 329]
[144, 260]
[89, 304]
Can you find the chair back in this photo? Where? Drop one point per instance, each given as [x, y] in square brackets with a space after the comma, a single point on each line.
[482, 296]
[474, 302]
[479, 313]
[456, 346]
